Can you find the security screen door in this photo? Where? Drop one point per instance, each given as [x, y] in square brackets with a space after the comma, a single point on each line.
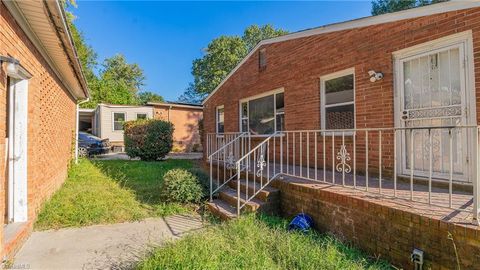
[433, 94]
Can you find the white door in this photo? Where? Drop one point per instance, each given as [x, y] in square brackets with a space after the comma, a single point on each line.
[17, 150]
[433, 93]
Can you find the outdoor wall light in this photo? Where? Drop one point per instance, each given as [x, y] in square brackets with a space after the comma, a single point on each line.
[375, 76]
[12, 64]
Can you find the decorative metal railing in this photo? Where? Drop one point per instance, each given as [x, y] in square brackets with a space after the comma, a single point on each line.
[432, 165]
[256, 164]
[223, 160]
[215, 141]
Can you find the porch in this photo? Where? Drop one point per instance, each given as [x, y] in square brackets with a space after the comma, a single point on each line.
[441, 180]
[355, 187]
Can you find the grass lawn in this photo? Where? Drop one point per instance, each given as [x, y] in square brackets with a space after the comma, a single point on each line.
[110, 191]
[258, 243]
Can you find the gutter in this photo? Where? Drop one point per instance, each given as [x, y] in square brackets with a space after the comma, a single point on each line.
[77, 127]
[76, 65]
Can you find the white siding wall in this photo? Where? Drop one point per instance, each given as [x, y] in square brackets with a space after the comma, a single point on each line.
[106, 119]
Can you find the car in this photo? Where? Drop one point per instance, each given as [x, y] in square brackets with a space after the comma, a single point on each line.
[90, 145]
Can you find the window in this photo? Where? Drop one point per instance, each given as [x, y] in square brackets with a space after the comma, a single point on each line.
[263, 115]
[220, 119]
[118, 120]
[337, 100]
[141, 116]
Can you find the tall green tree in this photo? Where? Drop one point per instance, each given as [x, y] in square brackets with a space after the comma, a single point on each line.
[221, 56]
[147, 96]
[254, 34]
[387, 6]
[119, 82]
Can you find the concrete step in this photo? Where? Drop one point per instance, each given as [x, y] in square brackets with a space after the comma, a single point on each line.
[267, 194]
[222, 209]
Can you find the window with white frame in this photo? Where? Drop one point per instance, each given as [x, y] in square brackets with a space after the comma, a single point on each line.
[337, 100]
[220, 119]
[118, 120]
[263, 115]
[141, 116]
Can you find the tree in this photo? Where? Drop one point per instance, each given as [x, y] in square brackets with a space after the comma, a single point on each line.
[191, 95]
[254, 34]
[387, 6]
[221, 56]
[146, 96]
[116, 68]
[119, 82]
[86, 54]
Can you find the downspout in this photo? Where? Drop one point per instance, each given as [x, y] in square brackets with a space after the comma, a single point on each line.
[169, 108]
[77, 127]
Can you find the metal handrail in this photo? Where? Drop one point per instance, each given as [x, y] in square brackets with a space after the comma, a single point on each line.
[227, 144]
[231, 145]
[261, 165]
[256, 147]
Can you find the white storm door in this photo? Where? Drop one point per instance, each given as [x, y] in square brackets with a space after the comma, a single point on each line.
[17, 151]
[433, 93]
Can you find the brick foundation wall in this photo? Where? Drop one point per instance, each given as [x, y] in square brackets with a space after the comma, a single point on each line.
[51, 121]
[382, 227]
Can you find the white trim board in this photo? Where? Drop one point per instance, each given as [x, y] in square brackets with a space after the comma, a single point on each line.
[357, 23]
[17, 150]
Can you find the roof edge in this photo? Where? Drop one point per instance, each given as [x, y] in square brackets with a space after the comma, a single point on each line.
[24, 24]
[432, 9]
[72, 53]
[190, 106]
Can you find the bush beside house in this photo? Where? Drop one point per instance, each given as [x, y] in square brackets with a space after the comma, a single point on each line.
[181, 186]
[148, 139]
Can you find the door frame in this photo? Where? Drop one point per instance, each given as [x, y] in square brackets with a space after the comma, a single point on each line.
[465, 41]
[17, 195]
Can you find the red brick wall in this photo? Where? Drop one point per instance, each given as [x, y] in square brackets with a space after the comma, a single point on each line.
[186, 137]
[384, 228]
[51, 118]
[297, 65]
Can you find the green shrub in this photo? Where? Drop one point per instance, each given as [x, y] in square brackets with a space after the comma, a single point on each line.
[148, 139]
[181, 186]
[203, 179]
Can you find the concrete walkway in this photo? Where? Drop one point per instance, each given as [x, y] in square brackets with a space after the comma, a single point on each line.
[117, 246]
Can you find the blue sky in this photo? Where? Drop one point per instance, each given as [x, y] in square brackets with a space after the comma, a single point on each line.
[164, 37]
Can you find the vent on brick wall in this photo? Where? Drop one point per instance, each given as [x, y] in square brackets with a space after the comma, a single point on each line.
[262, 59]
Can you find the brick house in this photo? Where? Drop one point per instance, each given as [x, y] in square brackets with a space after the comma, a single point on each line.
[186, 119]
[385, 105]
[40, 84]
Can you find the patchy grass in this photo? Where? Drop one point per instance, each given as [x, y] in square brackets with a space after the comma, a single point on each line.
[110, 191]
[258, 243]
